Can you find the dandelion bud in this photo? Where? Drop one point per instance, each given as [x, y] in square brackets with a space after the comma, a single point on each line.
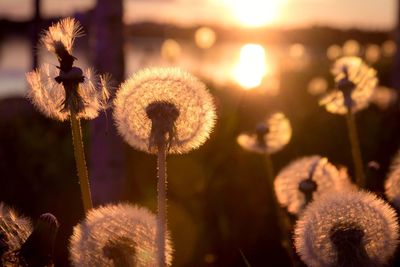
[307, 179]
[120, 252]
[261, 131]
[117, 235]
[163, 116]
[347, 240]
[356, 83]
[308, 187]
[346, 86]
[347, 229]
[56, 94]
[164, 104]
[37, 251]
[70, 81]
[271, 136]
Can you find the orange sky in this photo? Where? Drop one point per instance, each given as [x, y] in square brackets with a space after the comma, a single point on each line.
[343, 13]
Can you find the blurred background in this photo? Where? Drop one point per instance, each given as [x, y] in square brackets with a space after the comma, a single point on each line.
[256, 56]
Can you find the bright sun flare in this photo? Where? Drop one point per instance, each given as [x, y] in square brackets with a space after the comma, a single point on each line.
[254, 13]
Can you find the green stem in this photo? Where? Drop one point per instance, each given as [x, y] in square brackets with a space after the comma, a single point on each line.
[355, 149]
[283, 220]
[161, 203]
[80, 161]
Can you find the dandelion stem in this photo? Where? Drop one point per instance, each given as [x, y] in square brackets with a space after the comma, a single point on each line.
[355, 149]
[283, 220]
[161, 202]
[80, 161]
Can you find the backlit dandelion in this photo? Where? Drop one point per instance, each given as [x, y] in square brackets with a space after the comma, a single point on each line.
[188, 107]
[14, 230]
[117, 235]
[307, 179]
[49, 96]
[271, 136]
[347, 229]
[160, 111]
[356, 83]
[67, 92]
[392, 184]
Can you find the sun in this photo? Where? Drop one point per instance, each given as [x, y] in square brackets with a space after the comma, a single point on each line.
[255, 13]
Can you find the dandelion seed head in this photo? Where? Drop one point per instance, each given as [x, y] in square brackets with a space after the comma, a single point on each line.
[48, 96]
[178, 88]
[62, 35]
[312, 175]
[117, 233]
[343, 221]
[361, 76]
[14, 230]
[271, 136]
[392, 184]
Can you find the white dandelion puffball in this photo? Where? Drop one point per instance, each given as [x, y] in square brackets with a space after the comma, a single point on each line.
[48, 96]
[347, 227]
[316, 174]
[392, 184]
[116, 235]
[62, 33]
[361, 76]
[14, 229]
[272, 135]
[193, 105]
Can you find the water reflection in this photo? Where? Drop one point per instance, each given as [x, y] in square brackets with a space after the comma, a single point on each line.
[252, 67]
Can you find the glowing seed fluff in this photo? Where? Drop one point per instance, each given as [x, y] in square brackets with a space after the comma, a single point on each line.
[168, 102]
[392, 184]
[54, 91]
[14, 230]
[356, 85]
[347, 229]
[306, 179]
[116, 235]
[270, 137]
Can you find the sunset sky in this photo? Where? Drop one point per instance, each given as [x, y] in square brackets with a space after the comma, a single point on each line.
[286, 13]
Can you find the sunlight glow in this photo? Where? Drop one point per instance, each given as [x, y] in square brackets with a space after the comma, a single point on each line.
[252, 66]
[255, 13]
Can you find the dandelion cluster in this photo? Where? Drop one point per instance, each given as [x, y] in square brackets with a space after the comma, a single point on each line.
[392, 184]
[356, 84]
[354, 228]
[116, 235]
[307, 179]
[56, 91]
[164, 103]
[271, 136]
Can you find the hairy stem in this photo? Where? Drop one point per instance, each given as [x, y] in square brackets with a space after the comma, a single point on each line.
[355, 149]
[80, 161]
[283, 220]
[161, 203]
